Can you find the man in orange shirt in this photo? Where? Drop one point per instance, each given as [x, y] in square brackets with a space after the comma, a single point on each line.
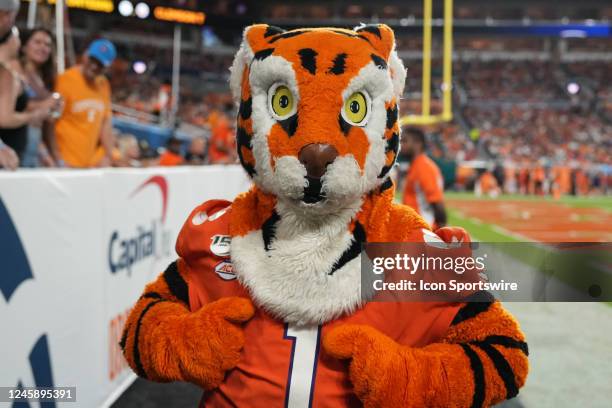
[86, 120]
[222, 148]
[424, 186]
[487, 185]
[172, 156]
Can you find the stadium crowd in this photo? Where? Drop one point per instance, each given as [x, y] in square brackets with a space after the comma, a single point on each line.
[524, 122]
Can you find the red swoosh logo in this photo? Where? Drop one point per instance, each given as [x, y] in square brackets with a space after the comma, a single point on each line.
[160, 182]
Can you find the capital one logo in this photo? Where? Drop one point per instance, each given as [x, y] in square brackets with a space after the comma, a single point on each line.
[16, 270]
[145, 240]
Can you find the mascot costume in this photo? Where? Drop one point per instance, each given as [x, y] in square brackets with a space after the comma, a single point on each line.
[263, 307]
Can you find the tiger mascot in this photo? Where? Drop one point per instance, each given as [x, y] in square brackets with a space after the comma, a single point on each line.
[263, 306]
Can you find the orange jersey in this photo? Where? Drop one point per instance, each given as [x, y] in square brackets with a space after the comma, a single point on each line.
[221, 143]
[424, 185]
[488, 182]
[280, 362]
[170, 159]
[86, 107]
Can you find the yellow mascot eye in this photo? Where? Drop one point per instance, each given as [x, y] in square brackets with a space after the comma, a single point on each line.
[282, 101]
[356, 108]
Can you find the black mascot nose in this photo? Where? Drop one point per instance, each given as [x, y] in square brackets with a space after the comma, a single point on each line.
[315, 157]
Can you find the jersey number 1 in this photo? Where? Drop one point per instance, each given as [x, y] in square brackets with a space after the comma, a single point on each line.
[303, 365]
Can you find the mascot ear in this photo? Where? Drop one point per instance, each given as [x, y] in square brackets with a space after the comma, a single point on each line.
[255, 39]
[258, 36]
[382, 38]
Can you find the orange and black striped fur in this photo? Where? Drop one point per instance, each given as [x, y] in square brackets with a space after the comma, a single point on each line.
[296, 234]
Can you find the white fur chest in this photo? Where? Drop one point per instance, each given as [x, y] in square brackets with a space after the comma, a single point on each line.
[292, 279]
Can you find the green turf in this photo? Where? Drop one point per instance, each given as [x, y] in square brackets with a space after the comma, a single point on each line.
[478, 230]
[491, 233]
[482, 232]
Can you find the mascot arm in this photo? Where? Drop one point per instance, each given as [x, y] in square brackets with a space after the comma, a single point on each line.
[164, 341]
[481, 361]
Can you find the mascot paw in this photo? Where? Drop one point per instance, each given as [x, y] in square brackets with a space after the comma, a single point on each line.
[452, 235]
[377, 370]
[211, 340]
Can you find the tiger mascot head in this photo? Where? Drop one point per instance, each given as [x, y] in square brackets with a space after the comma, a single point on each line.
[318, 115]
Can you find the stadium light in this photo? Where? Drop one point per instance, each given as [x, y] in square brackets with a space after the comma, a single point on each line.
[139, 67]
[142, 10]
[241, 9]
[573, 88]
[126, 8]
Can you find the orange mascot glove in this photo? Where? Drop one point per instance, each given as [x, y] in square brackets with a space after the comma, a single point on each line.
[453, 234]
[198, 347]
[480, 361]
[380, 370]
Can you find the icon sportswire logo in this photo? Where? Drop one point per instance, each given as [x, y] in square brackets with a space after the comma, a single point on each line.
[145, 240]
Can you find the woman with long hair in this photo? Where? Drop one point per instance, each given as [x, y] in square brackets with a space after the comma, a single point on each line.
[15, 113]
[37, 65]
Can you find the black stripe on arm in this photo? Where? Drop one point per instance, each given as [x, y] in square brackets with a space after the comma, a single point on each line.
[353, 251]
[308, 58]
[478, 303]
[503, 368]
[508, 342]
[479, 378]
[137, 360]
[151, 295]
[176, 283]
[126, 329]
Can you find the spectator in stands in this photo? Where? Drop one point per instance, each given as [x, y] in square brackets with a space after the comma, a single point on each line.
[196, 155]
[129, 151]
[487, 185]
[37, 66]
[148, 155]
[172, 156]
[164, 102]
[86, 120]
[8, 12]
[423, 187]
[14, 113]
[221, 149]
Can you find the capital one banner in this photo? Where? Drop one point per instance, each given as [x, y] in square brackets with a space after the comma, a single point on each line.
[77, 248]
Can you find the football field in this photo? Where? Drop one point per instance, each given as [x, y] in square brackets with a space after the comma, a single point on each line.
[526, 218]
[569, 343]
